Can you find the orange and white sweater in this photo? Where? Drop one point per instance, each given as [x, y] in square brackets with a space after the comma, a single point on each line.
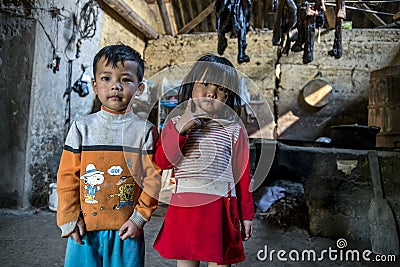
[107, 174]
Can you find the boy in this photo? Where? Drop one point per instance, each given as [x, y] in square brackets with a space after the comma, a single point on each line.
[107, 184]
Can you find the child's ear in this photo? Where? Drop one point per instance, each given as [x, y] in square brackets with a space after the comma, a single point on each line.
[141, 87]
[94, 86]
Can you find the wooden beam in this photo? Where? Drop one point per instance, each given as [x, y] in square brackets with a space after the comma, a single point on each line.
[202, 24]
[372, 17]
[193, 23]
[182, 13]
[171, 12]
[125, 11]
[165, 16]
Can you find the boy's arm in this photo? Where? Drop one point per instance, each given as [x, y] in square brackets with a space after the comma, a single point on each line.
[169, 147]
[150, 183]
[241, 172]
[68, 180]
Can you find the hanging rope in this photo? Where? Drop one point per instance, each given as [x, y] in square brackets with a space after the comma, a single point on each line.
[87, 20]
[67, 94]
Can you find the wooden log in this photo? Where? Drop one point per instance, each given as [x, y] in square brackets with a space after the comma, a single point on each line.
[193, 23]
[126, 12]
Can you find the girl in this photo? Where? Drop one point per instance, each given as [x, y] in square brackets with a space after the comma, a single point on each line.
[212, 207]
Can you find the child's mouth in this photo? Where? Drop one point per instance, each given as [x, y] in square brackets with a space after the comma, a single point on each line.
[115, 98]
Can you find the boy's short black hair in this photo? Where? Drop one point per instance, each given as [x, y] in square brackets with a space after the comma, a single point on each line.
[119, 53]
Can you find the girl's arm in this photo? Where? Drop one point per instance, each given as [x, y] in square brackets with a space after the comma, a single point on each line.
[241, 172]
[169, 147]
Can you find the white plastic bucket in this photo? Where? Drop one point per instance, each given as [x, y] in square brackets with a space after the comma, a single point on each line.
[53, 197]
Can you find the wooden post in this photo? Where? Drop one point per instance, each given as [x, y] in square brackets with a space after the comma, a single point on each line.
[125, 11]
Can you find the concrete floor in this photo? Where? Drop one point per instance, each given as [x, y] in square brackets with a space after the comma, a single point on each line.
[29, 238]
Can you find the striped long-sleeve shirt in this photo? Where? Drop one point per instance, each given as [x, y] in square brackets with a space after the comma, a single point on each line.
[207, 159]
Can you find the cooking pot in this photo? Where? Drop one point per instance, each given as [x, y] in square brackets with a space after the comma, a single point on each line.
[354, 136]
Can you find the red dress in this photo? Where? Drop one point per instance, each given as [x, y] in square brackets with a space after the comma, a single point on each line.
[202, 226]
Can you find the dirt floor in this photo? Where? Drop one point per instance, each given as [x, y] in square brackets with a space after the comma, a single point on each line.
[31, 238]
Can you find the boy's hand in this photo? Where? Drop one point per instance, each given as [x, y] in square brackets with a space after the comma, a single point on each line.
[247, 229]
[129, 230]
[79, 231]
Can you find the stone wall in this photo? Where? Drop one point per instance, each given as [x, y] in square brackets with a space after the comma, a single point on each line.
[15, 84]
[34, 107]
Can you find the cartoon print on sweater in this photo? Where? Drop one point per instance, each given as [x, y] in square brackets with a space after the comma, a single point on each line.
[125, 194]
[92, 179]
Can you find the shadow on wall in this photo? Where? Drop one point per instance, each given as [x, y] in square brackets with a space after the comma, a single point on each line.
[305, 124]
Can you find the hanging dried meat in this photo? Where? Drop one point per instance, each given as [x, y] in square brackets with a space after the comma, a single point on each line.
[285, 20]
[233, 16]
[309, 18]
[340, 16]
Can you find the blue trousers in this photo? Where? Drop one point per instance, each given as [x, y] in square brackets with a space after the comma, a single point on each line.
[105, 248]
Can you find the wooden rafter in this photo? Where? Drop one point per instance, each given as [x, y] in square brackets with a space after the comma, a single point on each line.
[182, 12]
[372, 17]
[126, 12]
[165, 17]
[193, 23]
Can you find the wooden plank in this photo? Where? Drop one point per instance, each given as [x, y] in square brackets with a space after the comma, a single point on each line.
[372, 17]
[193, 23]
[126, 12]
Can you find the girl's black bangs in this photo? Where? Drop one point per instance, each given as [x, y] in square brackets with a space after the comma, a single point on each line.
[215, 73]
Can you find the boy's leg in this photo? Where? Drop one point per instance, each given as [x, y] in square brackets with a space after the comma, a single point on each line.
[185, 263]
[83, 255]
[119, 253]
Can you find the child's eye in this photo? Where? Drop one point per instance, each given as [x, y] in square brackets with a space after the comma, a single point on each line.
[222, 89]
[126, 80]
[206, 84]
[105, 78]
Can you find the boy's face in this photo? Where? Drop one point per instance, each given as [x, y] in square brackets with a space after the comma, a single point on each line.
[115, 87]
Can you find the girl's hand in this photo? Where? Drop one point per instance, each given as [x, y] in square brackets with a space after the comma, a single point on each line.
[129, 230]
[79, 232]
[247, 229]
[188, 119]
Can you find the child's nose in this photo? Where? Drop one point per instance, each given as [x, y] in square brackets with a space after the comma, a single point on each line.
[116, 86]
[212, 91]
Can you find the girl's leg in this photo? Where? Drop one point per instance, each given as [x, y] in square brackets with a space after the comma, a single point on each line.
[213, 264]
[185, 263]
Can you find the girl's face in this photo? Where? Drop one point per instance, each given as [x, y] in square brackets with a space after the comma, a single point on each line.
[208, 97]
[115, 87]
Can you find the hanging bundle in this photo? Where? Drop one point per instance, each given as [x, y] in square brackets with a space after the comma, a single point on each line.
[233, 16]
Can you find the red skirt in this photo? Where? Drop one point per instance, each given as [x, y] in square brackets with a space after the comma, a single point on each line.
[209, 232]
